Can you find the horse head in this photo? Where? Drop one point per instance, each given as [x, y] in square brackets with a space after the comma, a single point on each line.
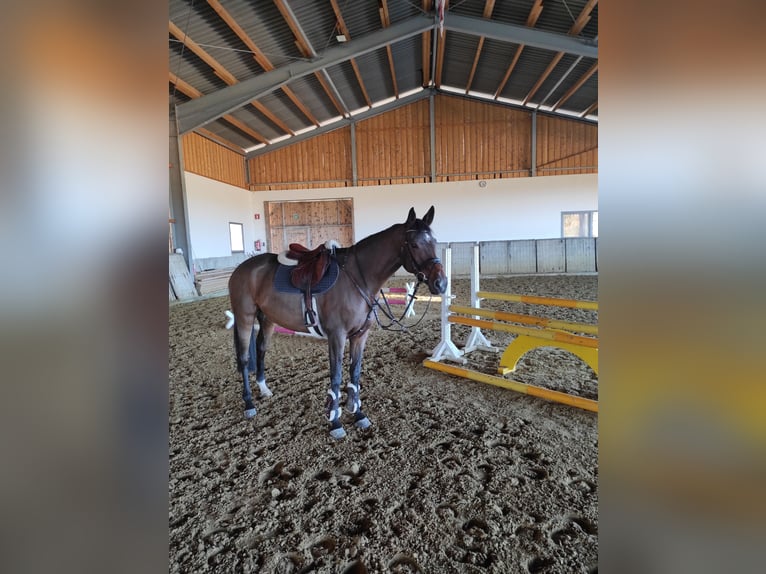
[419, 252]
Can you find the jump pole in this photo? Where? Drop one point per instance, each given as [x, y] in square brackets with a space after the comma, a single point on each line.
[533, 300]
[526, 319]
[531, 390]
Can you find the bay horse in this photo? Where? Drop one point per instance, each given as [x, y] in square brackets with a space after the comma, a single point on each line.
[345, 311]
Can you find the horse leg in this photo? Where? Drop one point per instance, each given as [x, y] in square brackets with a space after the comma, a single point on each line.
[354, 401]
[243, 331]
[332, 407]
[259, 351]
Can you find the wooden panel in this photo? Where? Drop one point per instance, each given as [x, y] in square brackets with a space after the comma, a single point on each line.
[345, 212]
[180, 278]
[207, 158]
[321, 161]
[566, 146]
[297, 213]
[310, 223]
[392, 147]
[274, 209]
[476, 140]
[295, 235]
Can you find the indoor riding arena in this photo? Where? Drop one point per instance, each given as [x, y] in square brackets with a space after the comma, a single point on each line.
[300, 122]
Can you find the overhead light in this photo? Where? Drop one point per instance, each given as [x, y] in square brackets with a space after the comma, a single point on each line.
[340, 37]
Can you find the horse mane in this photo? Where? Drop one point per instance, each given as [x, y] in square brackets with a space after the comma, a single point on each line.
[418, 226]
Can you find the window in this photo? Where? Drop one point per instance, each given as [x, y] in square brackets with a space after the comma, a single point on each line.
[237, 238]
[579, 224]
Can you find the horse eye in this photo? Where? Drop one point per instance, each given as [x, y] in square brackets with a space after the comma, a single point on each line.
[414, 246]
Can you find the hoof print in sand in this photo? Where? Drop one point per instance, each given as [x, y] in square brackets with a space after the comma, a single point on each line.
[402, 563]
[356, 567]
[539, 564]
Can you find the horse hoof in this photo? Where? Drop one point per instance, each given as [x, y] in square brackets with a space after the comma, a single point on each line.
[250, 413]
[338, 433]
[363, 423]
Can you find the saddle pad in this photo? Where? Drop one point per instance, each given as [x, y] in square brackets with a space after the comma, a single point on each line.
[283, 285]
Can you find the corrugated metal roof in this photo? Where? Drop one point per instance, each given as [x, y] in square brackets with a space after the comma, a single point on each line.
[278, 33]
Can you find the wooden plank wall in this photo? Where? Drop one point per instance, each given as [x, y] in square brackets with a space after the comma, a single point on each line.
[321, 161]
[395, 147]
[475, 140]
[207, 158]
[566, 147]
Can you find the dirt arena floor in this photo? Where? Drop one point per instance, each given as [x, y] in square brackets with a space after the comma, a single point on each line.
[453, 476]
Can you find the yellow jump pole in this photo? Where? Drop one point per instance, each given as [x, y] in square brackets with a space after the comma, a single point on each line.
[556, 396]
[533, 300]
[526, 319]
[529, 331]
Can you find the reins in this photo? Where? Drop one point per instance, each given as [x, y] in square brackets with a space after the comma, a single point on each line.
[390, 314]
[395, 324]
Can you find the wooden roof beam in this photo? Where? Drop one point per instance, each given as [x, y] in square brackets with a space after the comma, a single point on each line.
[590, 109]
[198, 112]
[259, 56]
[344, 31]
[577, 85]
[488, 7]
[224, 74]
[221, 141]
[193, 92]
[534, 14]
[308, 51]
[386, 21]
[576, 28]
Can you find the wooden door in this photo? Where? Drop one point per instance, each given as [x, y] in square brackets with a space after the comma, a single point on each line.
[309, 223]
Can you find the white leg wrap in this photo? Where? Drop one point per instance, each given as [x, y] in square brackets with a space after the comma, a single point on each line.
[334, 414]
[265, 390]
[353, 403]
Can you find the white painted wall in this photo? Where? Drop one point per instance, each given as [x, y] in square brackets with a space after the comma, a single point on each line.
[211, 205]
[523, 208]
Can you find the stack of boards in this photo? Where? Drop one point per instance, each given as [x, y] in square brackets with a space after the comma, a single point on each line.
[183, 286]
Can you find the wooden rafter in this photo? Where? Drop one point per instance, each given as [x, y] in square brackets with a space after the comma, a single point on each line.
[259, 56]
[576, 28]
[386, 21]
[219, 140]
[577, 85]
[223, 73]
[193, 92]
[307, 52]
[590, 109]
[344, 30]
[441, 41]
[488, 7]
[425, 49]
[534, 14]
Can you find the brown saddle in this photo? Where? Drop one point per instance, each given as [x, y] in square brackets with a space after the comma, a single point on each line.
[312, 266]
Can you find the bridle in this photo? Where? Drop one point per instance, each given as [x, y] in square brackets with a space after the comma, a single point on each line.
[423, 266]
[420, 274]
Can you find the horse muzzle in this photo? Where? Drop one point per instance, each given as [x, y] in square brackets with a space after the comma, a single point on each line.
[437, 280]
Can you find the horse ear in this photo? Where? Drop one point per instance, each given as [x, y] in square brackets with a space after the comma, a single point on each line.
[429, 216]
[411, 216]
